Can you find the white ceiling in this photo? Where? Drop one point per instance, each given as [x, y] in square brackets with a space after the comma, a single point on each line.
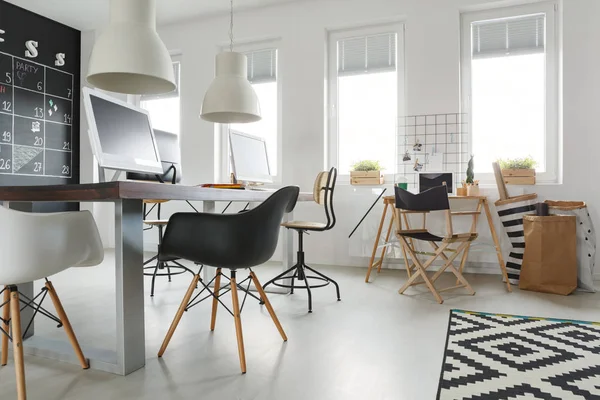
[93, 14]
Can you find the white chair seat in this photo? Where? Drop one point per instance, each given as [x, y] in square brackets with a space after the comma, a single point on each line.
[35, 246]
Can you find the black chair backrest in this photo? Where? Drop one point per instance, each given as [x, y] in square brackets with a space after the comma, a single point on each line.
[434, 199]
[232, 241]
[170, 156]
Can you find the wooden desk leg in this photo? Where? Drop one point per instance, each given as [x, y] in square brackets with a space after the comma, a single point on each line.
[387, 240]
[497, 244]
[376, 243]
[465, 255]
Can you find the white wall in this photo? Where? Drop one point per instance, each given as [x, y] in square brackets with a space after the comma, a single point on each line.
[432, 86]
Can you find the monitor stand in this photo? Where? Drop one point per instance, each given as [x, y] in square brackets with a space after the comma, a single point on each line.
[102, 175]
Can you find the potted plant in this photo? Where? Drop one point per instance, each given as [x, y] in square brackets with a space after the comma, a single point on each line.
[518, 171]
[472, 184]
[366, 172]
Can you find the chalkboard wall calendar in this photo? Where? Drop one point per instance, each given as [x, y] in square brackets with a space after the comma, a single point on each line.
[39, 99]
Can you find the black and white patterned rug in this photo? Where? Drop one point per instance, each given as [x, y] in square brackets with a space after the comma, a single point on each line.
[490, 356]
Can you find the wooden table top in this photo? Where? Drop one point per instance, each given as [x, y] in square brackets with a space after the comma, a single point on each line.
[120, 190]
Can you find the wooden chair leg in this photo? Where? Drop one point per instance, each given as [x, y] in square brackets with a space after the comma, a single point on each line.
[421, 270]
[265, 300]
[238, 323]
[448, 260]
[17, 342]
[180, 311]
[215, 301]
[67, 325]
[462, 280]
[463, 261]
[5, 326]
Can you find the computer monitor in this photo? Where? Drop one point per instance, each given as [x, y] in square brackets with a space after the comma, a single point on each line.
[428, 180]
[170, 156]
[249, 158]
[121, 134]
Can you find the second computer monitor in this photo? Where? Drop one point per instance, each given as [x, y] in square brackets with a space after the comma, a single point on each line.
[249, 158]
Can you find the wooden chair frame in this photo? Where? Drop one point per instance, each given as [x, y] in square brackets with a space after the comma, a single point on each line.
[12, 304]
[415, 268]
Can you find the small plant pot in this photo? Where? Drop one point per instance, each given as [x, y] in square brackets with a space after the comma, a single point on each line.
[519, 176]
[473, 190]
[366, 178]
[461, 191]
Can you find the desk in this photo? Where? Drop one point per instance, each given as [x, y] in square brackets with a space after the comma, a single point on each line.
[390, 202]
[128, 197]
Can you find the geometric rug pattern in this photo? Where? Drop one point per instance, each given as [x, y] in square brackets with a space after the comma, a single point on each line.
[493, 357]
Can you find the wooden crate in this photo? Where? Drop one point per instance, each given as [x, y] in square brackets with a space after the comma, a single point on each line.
[366, 178]
[519, 176]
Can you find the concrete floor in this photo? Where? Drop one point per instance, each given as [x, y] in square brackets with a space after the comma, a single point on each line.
[374, 344]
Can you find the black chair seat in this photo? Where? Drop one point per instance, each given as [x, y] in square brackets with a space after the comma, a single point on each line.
[425, 236]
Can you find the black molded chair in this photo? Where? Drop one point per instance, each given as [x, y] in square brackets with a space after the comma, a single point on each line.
[230, 241]
[434, 199]
[323, 195]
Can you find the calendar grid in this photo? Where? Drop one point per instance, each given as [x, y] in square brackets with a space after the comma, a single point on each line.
[39, 140]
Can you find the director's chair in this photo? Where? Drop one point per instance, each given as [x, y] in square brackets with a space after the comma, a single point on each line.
[434, 199]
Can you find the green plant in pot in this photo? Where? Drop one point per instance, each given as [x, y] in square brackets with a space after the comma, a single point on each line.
[366, 172]
[517, 163]
[471, 183]
[366, 165]
[518, 171]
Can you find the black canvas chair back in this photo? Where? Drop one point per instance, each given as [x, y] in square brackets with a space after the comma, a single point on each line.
[434, 199]
[231, 241]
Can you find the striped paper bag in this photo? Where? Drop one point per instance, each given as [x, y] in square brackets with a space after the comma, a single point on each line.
[511, 212]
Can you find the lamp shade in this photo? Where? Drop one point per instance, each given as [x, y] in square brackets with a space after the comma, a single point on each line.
[129, 57]
[231, 98]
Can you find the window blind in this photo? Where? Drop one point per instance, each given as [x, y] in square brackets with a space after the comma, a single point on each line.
[367, 54]
[510, 36]
[174, 93]
[262, 66]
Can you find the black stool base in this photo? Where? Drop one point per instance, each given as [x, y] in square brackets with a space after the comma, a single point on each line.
[298, 274]
[177, 268]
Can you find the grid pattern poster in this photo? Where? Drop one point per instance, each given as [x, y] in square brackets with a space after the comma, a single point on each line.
[39, 99]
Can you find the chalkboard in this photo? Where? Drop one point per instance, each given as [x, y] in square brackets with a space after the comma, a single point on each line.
[40, 63]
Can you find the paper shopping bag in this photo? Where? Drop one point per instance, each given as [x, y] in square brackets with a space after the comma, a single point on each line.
[550, 259]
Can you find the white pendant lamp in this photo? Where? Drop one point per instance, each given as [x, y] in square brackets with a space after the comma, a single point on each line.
[230, 97]
[129, 57]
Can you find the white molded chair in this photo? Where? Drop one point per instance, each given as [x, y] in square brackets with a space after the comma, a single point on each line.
[33, 247]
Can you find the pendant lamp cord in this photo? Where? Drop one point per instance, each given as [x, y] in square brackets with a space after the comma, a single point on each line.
[231, 26]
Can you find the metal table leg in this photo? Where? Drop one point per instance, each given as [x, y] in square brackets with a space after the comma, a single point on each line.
[129, 258]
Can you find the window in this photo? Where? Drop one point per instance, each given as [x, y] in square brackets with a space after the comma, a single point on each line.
[510, 92]
[262, 74]
[365, 80]
[164, 109]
